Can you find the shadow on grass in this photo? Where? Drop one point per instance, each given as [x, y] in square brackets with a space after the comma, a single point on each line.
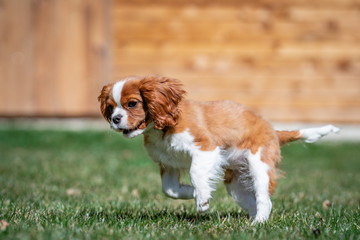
[146, 215]
[182, 215]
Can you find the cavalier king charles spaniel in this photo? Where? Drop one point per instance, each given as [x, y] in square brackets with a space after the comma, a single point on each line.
[214, 141]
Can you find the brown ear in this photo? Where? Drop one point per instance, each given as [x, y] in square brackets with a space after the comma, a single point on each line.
[162, 96]
[105, 107]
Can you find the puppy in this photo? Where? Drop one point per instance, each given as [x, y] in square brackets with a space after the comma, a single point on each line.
[217, 140]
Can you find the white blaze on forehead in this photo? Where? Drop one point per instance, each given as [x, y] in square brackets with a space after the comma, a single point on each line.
[117, 89]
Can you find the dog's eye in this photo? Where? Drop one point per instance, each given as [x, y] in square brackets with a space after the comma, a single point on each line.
[109, 108]
[131, 104]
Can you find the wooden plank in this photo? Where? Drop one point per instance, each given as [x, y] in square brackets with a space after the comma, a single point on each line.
[98, 51]
[327, 115]
[234, 35]
[242, 65]
[261, 96]
[211, 15]
[245, 3]
[212, 71]
[298, 24]
[303, 50]
[202, 27]
[15, 61]
[56, 57]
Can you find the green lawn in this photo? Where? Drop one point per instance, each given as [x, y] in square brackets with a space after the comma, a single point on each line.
[98, 185]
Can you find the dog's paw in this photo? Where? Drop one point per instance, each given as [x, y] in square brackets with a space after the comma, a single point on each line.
[203, 207]
[259, 220]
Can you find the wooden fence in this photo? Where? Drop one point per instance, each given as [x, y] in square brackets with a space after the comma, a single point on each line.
[54, 56]
[289, 60]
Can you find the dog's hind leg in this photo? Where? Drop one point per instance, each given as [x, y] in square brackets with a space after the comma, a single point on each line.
[250, 187]
[239, 188]
[259, 171]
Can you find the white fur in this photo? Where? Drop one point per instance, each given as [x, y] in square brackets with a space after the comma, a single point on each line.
[176, 152]
[259, 172]
[171, 185]
[134, 133]
[179, 152]
[250, 187]
[117, 89]
[205, 171]
[311, 135]
[173, 151]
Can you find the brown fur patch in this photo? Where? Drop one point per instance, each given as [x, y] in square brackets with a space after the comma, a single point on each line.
[162, 96]
[228, 176]
[131, 93]
[106, 101]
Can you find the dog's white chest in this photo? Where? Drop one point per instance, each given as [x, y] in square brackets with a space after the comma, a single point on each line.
[175, 150]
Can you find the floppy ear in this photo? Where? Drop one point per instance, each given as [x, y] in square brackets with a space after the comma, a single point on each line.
[105, 107]
[162, 96]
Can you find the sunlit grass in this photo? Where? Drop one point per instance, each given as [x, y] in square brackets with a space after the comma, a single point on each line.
[95, 185]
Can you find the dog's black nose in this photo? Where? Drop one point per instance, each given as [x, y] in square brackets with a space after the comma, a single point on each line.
[117, 118]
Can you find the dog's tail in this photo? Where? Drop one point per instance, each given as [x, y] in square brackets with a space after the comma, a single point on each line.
[309, 135]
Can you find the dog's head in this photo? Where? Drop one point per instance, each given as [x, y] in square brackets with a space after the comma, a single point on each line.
[132, 103]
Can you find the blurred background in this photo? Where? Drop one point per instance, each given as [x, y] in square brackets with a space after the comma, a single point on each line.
[291, 61]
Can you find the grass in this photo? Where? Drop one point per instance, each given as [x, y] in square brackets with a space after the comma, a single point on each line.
[97, 185]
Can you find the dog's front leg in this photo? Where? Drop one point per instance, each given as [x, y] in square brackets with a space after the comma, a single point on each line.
[204, 174]
[171, 184]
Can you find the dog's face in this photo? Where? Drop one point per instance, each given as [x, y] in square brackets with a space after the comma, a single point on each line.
[132, 103]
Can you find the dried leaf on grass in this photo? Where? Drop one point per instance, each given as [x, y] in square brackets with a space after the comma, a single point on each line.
[135, 193]
[3, 225]
[326, 204]
[73, 192]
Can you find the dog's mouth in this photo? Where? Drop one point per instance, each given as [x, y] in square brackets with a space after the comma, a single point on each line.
[125, 131]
